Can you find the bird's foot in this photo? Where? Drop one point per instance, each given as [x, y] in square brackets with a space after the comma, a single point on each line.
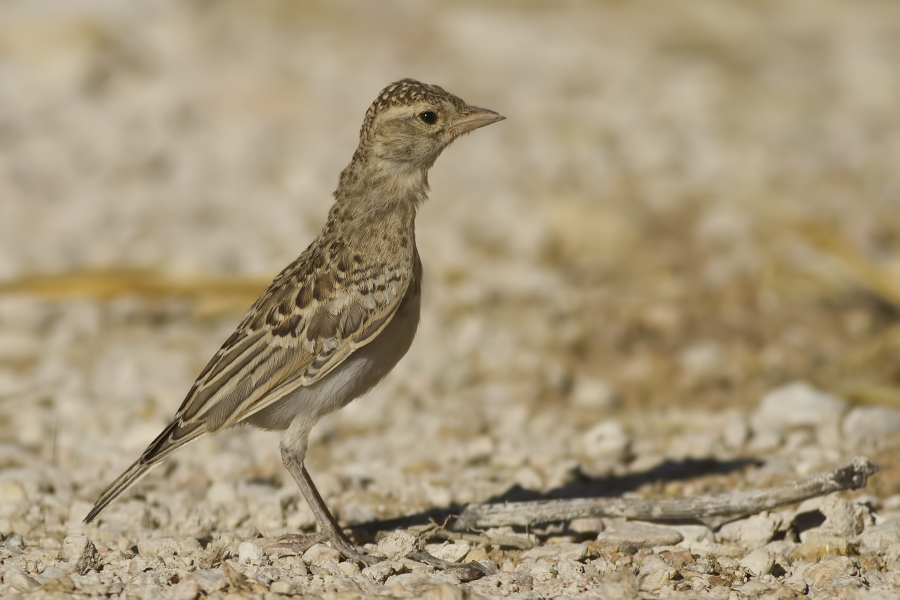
[301, 542]
[464, 571]
[342, 544]
[298, 542]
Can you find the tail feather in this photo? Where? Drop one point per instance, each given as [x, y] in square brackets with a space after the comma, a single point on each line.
[171, 439]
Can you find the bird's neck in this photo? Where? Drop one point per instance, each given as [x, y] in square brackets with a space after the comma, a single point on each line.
[376, 205]
[371, 183]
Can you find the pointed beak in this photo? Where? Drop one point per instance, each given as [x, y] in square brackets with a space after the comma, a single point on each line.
[473, 119]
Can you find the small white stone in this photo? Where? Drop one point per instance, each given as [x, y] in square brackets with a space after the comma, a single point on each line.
[701, 360]
[871, 423]
[843, 518]
[880, 537]
[570, 568]
[282, 587]
[752, 532]
[157, 547]
[189, 546]
[81, 553]
[758, 563]
[606, 440]
[19, 580]
[450, 552]
[795, 405]
[694, 534]
[735, 430]
[586, 525]
[397, 545]
[209, 580]
[250, 553]
[656, 569]
[321, 555]
[635, 534]
[480, 448]
[594, 394]
[15, 543]
[379, 571]
[185, 590]
[12, 491]
[543, 571]
[832, 572]
[557, 552]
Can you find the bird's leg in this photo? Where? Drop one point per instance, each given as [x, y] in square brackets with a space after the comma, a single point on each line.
[330, 530]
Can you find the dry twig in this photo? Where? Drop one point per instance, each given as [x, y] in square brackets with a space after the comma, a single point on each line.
[851, 476]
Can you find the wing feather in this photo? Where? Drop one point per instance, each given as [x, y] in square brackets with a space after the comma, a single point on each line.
[293, 342]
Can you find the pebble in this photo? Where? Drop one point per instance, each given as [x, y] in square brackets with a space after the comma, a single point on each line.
[734, 428]
[695, 536]
[11, 491]
[606, 440]
[871, 423]
[655, 567]
[543, 571]
[322, 556]
[880, 537]
[586, 525]
[186, 589]
[81, 553]
[283, 587]
[509, 537]
[557, 552]
[817, 546]
[19, 580]
[758, 563]
[833, 572]
[752, 532]
[593, 394]
[157, 547]
[633, 535]
[380, 571]
[451, 552]
[570, 568]
[188, 546]
[795, 405]
[15, 543]
[418, 583]
[397, 545]
[209, 580]
[843, 518]
[250, 553]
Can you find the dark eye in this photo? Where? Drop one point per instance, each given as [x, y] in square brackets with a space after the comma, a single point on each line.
[429, 117]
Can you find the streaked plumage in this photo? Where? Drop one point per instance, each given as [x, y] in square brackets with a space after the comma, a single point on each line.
[337, 319]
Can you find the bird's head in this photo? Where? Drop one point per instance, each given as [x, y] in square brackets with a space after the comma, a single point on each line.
[410, 123]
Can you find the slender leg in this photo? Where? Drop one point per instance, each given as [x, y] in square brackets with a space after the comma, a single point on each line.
[330, 529]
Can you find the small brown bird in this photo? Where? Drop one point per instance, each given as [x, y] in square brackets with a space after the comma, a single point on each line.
[337, 319]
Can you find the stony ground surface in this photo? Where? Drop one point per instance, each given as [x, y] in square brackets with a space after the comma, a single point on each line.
[672, 271]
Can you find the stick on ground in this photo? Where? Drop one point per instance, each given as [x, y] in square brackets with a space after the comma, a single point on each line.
[851, 476]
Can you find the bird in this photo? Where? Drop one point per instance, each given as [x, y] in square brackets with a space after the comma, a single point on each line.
[337, 319]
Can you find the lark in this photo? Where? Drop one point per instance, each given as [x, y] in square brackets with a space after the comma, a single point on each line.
[335, 321]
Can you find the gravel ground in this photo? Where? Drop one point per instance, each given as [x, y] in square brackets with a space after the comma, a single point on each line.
[672, 271]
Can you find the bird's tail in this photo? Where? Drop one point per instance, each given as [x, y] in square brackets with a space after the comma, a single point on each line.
[173, 437]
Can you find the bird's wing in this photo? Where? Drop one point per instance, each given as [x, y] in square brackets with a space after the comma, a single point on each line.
[300, 329]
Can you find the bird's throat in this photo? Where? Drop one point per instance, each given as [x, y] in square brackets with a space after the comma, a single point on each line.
[372, 184]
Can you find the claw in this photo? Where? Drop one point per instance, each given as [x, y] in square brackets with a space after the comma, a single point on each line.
[465, 571]
[298, 542]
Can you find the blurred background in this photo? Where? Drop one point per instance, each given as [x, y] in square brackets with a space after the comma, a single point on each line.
[688, 206]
